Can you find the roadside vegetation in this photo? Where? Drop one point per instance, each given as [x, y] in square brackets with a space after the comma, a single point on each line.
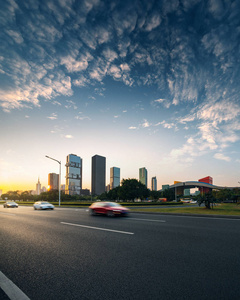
[227, 209]
[135, 195]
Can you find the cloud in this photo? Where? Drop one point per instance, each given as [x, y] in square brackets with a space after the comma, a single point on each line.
[68, 136]
[71, 104]
[166, 103]
[221, 156]
[53, 116]
[145, 124]
[82, 118]
[152, 22]
[132, 127]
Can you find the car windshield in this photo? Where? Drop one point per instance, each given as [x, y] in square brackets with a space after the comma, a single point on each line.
[44, 203]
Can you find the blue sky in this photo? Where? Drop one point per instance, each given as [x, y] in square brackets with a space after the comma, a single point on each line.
[150, 84]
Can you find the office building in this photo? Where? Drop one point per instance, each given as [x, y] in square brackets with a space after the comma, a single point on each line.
[114, 177]
[43, 189]
[73, 175]
[53, 181]
[38, 187]
[143, 176]
[98, 174]
[154, 183]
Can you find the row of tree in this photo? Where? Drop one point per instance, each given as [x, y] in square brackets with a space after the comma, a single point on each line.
[130, 190]
[50, 196]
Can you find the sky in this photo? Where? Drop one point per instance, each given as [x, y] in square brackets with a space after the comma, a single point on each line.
[152, 84]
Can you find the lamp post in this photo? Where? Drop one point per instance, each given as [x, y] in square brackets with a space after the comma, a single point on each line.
[59, 181]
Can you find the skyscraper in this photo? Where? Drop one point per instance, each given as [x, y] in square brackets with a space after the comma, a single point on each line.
[73, 175]
[38, 187]
[143, 176]
[53, 181]
[114, 177]
[98, 174]
[154, 184]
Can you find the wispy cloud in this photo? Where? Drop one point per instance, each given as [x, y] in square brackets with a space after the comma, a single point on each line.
[68, 136]
[53, 116]
[221, 156]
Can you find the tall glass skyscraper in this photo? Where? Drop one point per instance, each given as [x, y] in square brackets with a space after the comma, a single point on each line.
[154, 183]
[73, 175]
[143, 176]
[114, 177]
[53, 181]
[98, 174]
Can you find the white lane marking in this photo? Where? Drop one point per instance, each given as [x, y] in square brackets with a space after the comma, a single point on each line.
[148, 220]
[10, 289]
[5, 213]
[97, 228]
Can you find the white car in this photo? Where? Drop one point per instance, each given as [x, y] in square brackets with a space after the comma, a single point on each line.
[43, 205]
[10, 204]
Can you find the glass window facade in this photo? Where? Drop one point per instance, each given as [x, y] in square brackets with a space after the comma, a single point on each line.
[73, 175]
[114, 177]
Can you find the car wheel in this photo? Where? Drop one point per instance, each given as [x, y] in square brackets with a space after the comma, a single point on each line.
[92, 212]
[35, 208]
[110, 213]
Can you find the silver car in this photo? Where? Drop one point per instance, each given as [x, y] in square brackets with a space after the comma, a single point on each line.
[10, 204]
[43, 205]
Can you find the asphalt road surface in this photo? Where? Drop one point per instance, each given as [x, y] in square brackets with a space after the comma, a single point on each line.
[68, 254]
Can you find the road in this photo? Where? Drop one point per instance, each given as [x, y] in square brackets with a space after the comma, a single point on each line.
[67, 254]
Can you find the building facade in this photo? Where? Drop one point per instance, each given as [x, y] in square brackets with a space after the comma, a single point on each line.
[143, 176]
[98, 174]
[165, 187]
[38, 187]
[73, 175]
[114, 177]
[207, 179]
[53, 181]
[154, 184]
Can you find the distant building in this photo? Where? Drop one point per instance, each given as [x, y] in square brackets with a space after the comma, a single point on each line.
[114, 177]
[143, 176]
[63, 187]
[98, 174]
[73, 175]
[43, 189]
[38, 187]
[107, 189]
[154, 184]
[165, 187]
[207, 179]
[53, 181]
[85, 192]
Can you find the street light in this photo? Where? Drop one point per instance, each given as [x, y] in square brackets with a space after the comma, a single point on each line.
[59, 181]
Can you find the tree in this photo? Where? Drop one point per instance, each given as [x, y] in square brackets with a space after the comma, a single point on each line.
[207, 199]
[129, 190]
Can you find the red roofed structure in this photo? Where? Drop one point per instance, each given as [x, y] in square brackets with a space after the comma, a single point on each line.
[207, 179]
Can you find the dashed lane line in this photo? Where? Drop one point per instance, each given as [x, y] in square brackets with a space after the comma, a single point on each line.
[97, 228]
[148, 220]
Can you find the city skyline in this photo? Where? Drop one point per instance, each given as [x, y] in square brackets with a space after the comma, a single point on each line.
[146, 83]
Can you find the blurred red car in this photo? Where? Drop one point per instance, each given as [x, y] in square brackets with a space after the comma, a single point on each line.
[110, 209]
